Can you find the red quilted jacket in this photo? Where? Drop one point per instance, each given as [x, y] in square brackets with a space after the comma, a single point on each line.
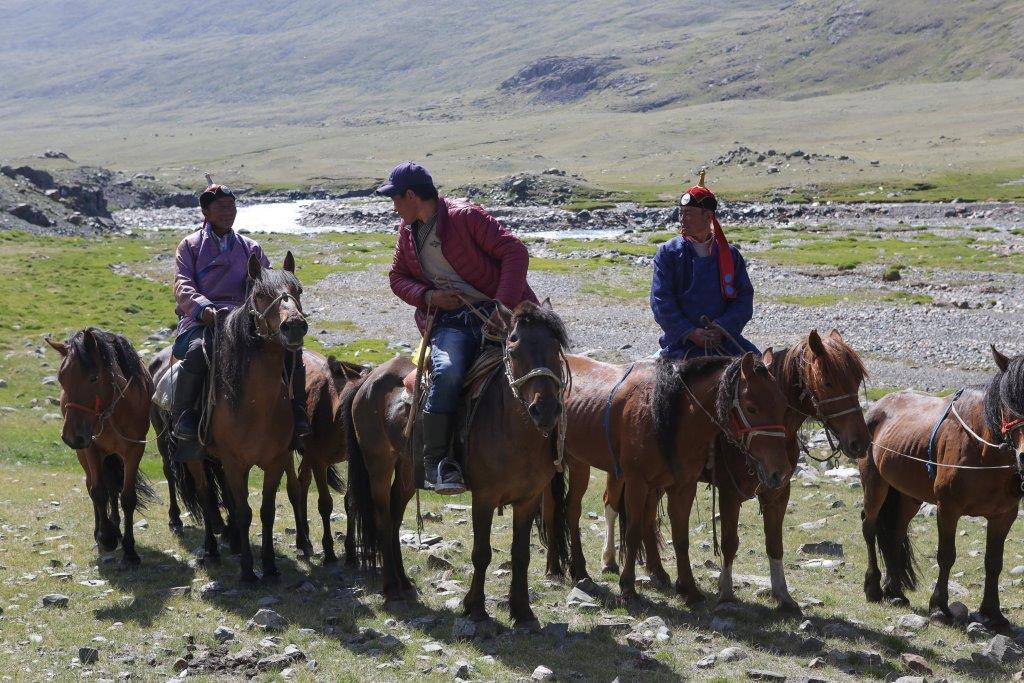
[486, 255]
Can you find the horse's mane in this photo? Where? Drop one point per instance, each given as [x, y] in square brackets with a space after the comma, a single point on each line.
[117, 355]
[1005, 392]
[237, 339]
[668, 394]
[840, 360]
[530, 312]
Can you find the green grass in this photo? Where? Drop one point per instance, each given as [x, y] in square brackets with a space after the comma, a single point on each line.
[856, 296]
[972, 186]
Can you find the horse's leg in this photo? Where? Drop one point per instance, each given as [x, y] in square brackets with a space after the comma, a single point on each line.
[729, 509]
[473, 604]
[268, 509]
[237, 479]
[995, 539]
[92, 462]
[325, 506]
[635, 505]
[173, 510]
[579, 478]
[297, 487]
[401, 492]
[129, 501]
[947, 521]
[518, 592]
[609, 554]
[380, 490]
[351, 557]
[680, 502]
[547, 518]
[892, 589]
[876, 490]
[203, 486]
[773, 506]
[652, 547]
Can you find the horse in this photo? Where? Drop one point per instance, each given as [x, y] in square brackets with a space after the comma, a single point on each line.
[104, 398]
[626, 420]
[327, 380]
[820, 378]
[511, 456]
[250, 419]
[978, 447]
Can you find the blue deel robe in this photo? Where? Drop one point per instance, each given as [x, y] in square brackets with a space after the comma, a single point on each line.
[686, 287]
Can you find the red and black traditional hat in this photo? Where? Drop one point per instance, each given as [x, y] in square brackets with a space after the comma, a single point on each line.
[699, 196]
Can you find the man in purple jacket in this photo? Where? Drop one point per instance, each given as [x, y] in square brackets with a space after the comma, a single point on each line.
[451, 257]
[211, 275]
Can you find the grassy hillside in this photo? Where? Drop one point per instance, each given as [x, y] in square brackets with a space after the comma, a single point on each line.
[300, 92]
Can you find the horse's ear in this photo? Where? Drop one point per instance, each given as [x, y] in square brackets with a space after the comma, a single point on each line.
[835, 335]
[1002, 362]
[90, 340]
[546, 304]
[289, 263]
[254, 267]
[814, 341]
[747, 364]
[768, 357]
[59, 347]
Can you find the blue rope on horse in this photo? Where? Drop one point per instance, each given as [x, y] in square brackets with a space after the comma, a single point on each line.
[606, 420]
[932, 469]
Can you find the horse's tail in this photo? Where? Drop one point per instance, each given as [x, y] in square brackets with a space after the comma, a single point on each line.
[897, 554]
[538, 518]
[188, 490]
[560, 521]
[359, 498]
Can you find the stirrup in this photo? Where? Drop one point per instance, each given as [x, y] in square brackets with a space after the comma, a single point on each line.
[449, 478]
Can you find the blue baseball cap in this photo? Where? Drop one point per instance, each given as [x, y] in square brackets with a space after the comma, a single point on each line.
[405, 175]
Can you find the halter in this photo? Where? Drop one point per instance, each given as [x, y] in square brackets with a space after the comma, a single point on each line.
[101, 415]
[819, 410]
[261, 316]
[747, 431]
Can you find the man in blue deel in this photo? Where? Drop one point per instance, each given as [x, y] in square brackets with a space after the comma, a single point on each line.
[700, 294]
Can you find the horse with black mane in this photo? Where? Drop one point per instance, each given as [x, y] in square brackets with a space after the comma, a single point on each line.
[511, 456]
[248, 410]
[104, 397]
[965, 456]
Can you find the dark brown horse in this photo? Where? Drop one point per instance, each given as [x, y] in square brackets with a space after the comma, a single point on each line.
[327, 380]
[978, 455]
[820, 378]
[104, 397]
[250, 423]
[656, 401]
[510, 461]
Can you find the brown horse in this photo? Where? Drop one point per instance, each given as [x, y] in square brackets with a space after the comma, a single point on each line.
[104, 397]
[511, 455]
[654, 403]
[327, 379]
[251, 423]
[978, 449]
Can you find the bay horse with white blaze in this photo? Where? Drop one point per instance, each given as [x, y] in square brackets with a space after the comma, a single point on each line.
[104, 397]
[251, 421]
[511, 453]
[978, 447]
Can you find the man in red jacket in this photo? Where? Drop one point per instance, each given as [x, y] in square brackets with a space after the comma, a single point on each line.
[451, 256]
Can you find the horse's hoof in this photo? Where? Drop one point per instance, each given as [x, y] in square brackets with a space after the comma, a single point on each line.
[628, 598]
[662, 580]
[411, 594]
[330, 559]
[940, 617]
[694, 598]
[130, 561]
[996, 624]
[527, 624]
[790, 608]
[210, 559]
[611, 568]
[725, 601]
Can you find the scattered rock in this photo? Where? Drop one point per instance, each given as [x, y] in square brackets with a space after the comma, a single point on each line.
[268, 620]
[732, 654]
[467, 629]
[830, 548]
[223, 634]
[912, 622]
[580, 599]
[210, 589]
[916, 663]
[706, 662]
[542, 673]
[1001, 650]
[977, 632]
[762, 675]
[723, 624]
[55, 600]
[461, 669]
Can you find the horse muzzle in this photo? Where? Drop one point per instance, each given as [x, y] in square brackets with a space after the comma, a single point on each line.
[77, 437]
[292, 332]
[545, 414]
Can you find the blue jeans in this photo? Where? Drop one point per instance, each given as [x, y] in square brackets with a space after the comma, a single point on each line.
[454, 345]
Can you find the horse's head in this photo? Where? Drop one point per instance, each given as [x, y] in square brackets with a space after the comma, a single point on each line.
[535, 341]
[275, 303]
[87, 385]
[752, 407]
[832, 374]
[1004, 402]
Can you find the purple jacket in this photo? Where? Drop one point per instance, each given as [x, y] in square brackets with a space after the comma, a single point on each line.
[487, 256]
[204, 276]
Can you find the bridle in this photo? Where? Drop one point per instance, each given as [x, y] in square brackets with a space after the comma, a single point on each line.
[561, 382]
[102, 415]
[820, 413]
[261, 316]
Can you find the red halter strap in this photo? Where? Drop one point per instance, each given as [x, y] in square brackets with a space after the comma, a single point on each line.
[95, 411]
[1008, 426]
